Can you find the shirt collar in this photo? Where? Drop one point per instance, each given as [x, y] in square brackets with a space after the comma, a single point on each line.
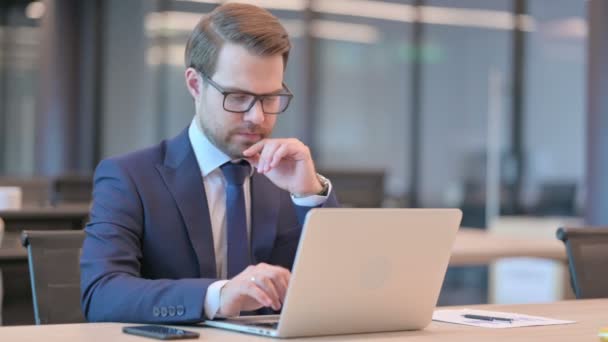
[208, 156]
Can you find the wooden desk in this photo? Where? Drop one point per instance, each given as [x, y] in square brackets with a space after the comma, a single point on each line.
[477, 247]
[591, 315]
[45, 218]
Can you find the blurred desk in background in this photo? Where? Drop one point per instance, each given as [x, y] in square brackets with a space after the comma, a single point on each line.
[478, 247]
[544, 280]
[522, 269]
[73, 216]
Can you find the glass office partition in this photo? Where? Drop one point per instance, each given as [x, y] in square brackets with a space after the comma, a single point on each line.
[363, 60]
[19, 70]
[555, 105]
[464, 92]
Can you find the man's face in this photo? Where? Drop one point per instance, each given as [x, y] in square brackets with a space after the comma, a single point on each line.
[238, 70]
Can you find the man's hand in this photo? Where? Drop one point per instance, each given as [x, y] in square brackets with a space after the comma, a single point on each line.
[257, 286]
[287, 163]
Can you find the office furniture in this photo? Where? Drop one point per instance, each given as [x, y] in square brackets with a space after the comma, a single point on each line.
[11, 250]
[54, 264]
[360, 189]
[556, 198]
[63, 217]
[587, 260]
[17, 306]
[478, 247]
[475, 248]
[545, 278]
[34, 190]
[71, 188]
[590, 316]
[472, 247]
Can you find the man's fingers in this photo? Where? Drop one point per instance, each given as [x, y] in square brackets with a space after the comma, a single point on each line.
[266, 156]
[279, 277]
[255, 292]
[255, 148]
[280, 153]
[282, 288]
[253, 160]
[283, 277]
[272, 151]
[267, 285]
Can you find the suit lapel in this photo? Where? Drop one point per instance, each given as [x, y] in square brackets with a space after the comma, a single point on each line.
[265, 205]
[183, 178]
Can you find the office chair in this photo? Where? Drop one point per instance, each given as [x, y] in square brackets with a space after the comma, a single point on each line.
[53, 258]
[587, 260]
[557, 198]
[359, 189]
[71, 188]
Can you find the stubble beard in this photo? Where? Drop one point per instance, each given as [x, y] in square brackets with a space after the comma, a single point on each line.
[233, 150]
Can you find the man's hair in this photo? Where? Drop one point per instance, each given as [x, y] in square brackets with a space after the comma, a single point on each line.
[249, 26]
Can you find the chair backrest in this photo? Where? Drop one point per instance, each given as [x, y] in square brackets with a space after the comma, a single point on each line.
[362, 189]
[557, 198]
[53, 258]
[587, 260]
[71, 188]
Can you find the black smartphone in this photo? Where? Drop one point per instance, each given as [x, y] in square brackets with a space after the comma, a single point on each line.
[160, 332]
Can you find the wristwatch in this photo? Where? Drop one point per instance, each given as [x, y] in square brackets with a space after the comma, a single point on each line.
[325, 182]
[324, 191]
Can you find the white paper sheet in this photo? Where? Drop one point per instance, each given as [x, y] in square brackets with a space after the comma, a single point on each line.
[518, 320]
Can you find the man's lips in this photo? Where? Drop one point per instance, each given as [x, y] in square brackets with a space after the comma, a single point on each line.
[249, 135]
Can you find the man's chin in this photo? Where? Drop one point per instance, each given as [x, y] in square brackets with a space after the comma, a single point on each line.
[235, 150]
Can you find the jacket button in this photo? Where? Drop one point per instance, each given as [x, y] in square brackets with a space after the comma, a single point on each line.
[172, 311]
[181, 310]
[163, 311]
[156, 311]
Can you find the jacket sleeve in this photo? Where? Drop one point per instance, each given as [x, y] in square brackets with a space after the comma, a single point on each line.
[112, 288]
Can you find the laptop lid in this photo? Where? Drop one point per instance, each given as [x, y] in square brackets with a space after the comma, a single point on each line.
[366, 270]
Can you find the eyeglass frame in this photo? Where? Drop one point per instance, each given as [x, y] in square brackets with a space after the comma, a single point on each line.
[256, 97]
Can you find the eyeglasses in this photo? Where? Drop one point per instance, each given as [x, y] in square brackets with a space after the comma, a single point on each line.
[242, 102]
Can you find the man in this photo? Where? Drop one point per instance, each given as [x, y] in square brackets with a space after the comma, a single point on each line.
[207, 223]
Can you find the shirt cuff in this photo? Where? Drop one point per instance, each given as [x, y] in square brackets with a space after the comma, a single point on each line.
[212, 298]
[312, 200]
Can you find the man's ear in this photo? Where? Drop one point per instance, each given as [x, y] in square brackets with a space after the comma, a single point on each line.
[193, 83]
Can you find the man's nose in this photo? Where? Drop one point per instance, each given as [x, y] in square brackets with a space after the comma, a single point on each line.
[256, 113]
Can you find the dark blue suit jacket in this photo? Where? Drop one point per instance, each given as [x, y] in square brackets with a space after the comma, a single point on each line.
[148, 253]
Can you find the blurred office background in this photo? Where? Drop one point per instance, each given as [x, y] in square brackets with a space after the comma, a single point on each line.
[421, 102]
[473, 104]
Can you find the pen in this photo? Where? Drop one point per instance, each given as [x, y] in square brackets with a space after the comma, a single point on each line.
[488, 318]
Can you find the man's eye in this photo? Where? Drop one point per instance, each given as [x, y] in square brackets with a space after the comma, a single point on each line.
[240, 97]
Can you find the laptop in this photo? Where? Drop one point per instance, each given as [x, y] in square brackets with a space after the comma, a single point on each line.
[361, 271]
